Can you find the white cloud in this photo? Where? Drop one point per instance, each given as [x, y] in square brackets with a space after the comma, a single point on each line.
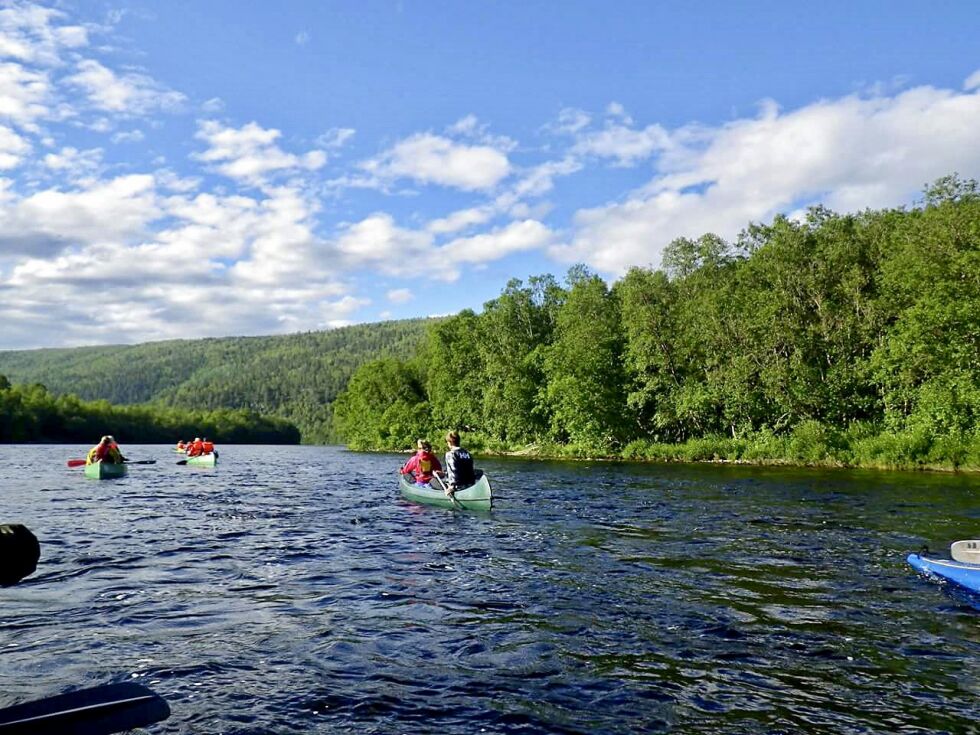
[460, 220]
[515, 237]
[131, 136]
[302, 38]
[149, 282]
[433, 159]
[972, 82]
[24, 94]
[377, 239]
[625, 144]
[250, 153]
[570, 121]
[131, 94]
[616, 110]
[400, 295]
[51, 220]
[471, 127]
[73, 163]
[335, 138]
[13, 148]
[848, 153]
[464, 126]
[213, 105]
[541, 179]
[33, 34]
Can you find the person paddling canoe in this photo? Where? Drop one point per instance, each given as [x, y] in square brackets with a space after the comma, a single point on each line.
[422, 464]
[459, 465]
[105, 451]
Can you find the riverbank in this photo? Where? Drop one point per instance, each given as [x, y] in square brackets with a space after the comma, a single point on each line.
[812, 448]
[810, 445]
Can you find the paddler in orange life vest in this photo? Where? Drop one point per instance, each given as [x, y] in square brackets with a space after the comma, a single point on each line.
[422, 464]
[206, 446]
[180, 445]
[196, 449]
[115, 453]
[105, 451]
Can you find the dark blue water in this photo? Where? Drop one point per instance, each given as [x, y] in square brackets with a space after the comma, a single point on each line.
[290, 590]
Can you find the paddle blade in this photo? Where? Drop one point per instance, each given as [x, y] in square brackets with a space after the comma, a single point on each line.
[97, 711]
[19, 552]
[182, 461]
[76, 462]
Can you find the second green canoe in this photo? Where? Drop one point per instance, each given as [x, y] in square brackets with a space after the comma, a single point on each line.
[203, 460]
[104, 470]
[475, 497]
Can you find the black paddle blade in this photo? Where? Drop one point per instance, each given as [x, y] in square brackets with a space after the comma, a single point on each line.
[97, 711]
[182, 461]
[19, 552]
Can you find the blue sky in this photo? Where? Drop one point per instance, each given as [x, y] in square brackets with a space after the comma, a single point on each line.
[209, 168]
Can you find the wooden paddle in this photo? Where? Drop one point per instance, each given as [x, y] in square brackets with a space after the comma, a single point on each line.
[450, 493]
[97, 711]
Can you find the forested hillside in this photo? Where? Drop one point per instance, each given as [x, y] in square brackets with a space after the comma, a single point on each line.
[295, 377]
[850, 339]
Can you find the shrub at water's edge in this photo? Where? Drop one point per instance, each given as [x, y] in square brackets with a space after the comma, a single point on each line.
[842, 340]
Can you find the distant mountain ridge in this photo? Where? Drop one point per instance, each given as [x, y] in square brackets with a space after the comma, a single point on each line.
[295, 376]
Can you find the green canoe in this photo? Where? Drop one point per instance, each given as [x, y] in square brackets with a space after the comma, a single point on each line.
[104, 470]
[474, 497]
[203, 460]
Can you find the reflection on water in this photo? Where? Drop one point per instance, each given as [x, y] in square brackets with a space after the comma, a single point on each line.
[290, 590]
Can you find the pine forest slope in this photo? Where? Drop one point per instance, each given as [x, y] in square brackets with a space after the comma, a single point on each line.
[295, 377]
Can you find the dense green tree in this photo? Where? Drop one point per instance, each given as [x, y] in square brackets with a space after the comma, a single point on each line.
[928, 362]
[514, 327]
[583, 367]
[455, 371]
[383, 407]
[654, 368]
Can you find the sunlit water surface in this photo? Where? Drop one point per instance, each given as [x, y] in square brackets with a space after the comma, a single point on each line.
[291, 590]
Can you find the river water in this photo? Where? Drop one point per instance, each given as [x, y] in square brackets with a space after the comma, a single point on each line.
[291, 590]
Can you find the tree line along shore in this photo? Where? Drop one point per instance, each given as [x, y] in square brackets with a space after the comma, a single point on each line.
[837, 340]
[30, 413]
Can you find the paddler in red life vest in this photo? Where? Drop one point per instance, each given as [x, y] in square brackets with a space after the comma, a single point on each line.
[180, 445]
[207, 446]
[105, 451]
[196, 448]
[100, 452]
[422, 464]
